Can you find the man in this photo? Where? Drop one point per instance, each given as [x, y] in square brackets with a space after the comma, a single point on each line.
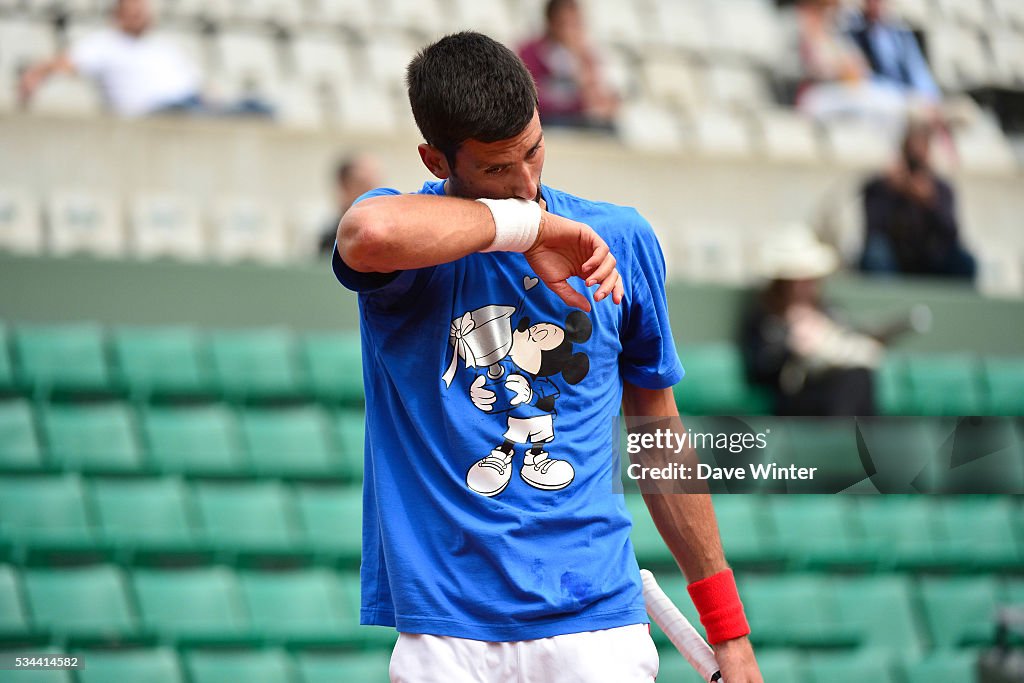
[911, 225]
[571, 87]
[893, 53]
[492, 540]
[355, 175]
[139, 73]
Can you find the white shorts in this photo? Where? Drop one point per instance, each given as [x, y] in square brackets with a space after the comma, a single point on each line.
[536, 429]
[617, 655]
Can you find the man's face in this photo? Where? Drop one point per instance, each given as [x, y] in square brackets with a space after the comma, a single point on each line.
[506, 169]
[364, 176]
[133, 16]
[566, 25]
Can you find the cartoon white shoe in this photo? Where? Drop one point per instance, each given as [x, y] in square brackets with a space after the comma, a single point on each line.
[489, 476]
[546, 473]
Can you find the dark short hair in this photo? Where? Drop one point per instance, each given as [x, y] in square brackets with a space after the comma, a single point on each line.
[467, 86]
[555, 6]
[343, 171]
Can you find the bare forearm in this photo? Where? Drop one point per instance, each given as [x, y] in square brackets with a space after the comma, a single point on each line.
[402, 232]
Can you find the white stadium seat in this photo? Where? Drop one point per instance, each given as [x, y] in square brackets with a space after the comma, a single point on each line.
[67, 96]
[192, 43]
[721, 134]
[424, 17]
[1000, 270]
[749, 28]
[492, 18]
[671, 80]
[365, 108]
[736, 86]
[1008, 57]
[287, 14]
[298, 105]
[21, 230]
[22, 43]
[614, 22]
[248, 230]
[352, 14]
[713, 255]
[914, 12]
[649, 127]
[387, 57]
[970, 12]
[320, 60]
[167, 225]
[249, 57]
[958, 57]
[1009, 13]
[681, 24]
[983, 148]
[855, 143]
[214, 11]
[788, 136]
[309, 221]
[85, 222]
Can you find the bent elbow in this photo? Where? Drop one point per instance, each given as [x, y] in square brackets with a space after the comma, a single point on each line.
[361, 241]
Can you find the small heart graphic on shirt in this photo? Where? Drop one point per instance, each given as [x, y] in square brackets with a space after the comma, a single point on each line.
[530, 282]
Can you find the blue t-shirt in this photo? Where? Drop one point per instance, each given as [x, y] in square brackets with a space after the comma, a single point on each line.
[529, 562]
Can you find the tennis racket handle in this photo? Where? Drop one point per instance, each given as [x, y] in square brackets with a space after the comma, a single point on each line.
[679, 629]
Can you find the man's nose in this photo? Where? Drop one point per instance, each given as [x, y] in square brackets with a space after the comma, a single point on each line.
[525, 186]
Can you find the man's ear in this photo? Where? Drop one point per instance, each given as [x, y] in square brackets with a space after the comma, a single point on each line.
[435, 161]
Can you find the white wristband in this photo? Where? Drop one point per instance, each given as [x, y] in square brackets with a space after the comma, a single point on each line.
[516, 223]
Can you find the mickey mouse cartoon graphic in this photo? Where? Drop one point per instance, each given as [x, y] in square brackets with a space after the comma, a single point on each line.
[522, 365]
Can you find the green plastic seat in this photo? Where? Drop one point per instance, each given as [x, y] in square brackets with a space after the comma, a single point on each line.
[892, 392]
[780, 665]
[648, 545]
[331, 517]
[334, 365]
[944, 384]
[46, 513]
[795, 610]
[818, 530]
[328, 667]
[1003, 381]
[251, 517]
[904, 530]
[137, 665]
[92, 437]
[371, 637]
[349, 432]
[255, 666]
[162, 361]
[196, 604]
[14, 619]
[37, 675]
[290, 442]
[882, 609]
[747, 533]
[943, 667]
[195, 440]
[19, 445]
[960, 611]
[62, 358]
[7, 377]
[856, 667]
[715, 383]
[144, 515]
[85, 601]
[980, 532]
[306, 605]
[256, 364]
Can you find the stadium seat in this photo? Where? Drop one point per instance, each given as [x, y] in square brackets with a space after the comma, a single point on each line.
[1003, 379]
[366, 108]
[85, 222]
[349, 432]
[957, 56]
[493, 18]
[650, 127]
[66, 95]
[715, 383]
[92, 437]
[746, 529]
[144, 515]
[138, 665]
[904, 529]
[24, 43]
[959, 611]
[329, 667]
[954, 666]
[320, 60]
[19, 445]
[672, 667]
[255, 666]
[243, 517]
[304, 606]
[386, 58]
[255, 364]
[7, 379]
[90, 601]
[298, 106]
[334, 365]
[818, 530]
[161, 361]
[748, 28]
[787, 136]
[795, 610]
[980, 532]
[942, 384]
[719, 133]
[291, 442]
[672, 82]
[352, 14]
[856, 144]
[193, 605]
[1009, 13]
[249, 56]
[248, 230]
[681, 25]
[425, 17]
[830, 444]
[856, 667]
[197, 440]
[892, 393]
[21, 231]
[736, 87]
[780, 665]
[882, 609]
[969, 12]
[648, 545]
[331, 518]
[282, 14]
[14, 620]
[190, 42]
[166, 225]
[983, 148]
[45, 514]
[61, 357]
[36, 676]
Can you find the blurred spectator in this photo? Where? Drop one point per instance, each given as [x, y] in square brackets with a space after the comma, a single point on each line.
[798, 348]
[570, 86]
[911, 224]
[892, 52]
[355, 176]
[837, 78]
[138, 72]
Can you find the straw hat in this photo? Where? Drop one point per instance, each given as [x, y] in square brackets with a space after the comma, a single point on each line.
[796, 254]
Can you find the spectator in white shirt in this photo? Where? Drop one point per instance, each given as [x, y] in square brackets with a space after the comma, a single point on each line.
[139, 73]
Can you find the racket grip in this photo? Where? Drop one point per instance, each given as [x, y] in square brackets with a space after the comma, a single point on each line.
[679, 629]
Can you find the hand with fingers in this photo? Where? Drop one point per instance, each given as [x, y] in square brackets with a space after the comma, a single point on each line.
[482, 397]
[566, 248]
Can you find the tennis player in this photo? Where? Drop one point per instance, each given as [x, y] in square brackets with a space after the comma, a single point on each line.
[503, 324]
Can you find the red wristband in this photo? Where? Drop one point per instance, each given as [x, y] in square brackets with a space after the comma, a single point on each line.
[718, 603]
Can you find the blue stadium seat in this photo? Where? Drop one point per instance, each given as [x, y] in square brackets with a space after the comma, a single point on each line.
[8, 381]
[330, 667]
[951, 666]
[748, 535]
[944, 384]
[904, 529]
[349, 430]
[1003, 381]
[980, 533]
